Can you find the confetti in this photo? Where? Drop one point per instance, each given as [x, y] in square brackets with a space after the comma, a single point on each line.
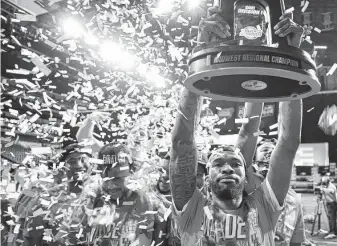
[128, 203]
[16, 229]
[273, 126]
[241, 121]
[273, 133]
[208, 213]
[317, 30]
[309, 110]
[151, 212]
[332, 69]
[305, 6]
[256, 134]
[167, 214]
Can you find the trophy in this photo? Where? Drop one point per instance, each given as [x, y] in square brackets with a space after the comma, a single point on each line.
[255, 65]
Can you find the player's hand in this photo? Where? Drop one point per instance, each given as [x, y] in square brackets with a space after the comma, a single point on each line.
[98, 117]
[287, 27]
[213, 26]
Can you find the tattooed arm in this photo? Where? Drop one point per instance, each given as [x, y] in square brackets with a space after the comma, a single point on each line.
[246, 139]
[281, 161]
[183, 163]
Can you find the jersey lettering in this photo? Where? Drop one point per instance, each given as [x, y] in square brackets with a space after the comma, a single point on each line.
[225, 228]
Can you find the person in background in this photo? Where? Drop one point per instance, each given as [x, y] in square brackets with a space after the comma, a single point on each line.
[40, 193]
[137, 142]
[86, 130]
[114, 215]
[330, 196]
[290, 228]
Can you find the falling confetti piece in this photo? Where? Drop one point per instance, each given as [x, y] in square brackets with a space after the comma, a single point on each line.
[332, 69]
[317, 30]
[273, 126]
[305, 6]
[241, 121]
[309, 110]
[208, 213]
[256, 134]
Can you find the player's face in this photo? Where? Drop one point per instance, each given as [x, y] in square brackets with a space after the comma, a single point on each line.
[262, 158]
[138, 139]
[114, 187]
[262, 169]
[263, 152]
[77, 165]
[163, 184]
[227, 176]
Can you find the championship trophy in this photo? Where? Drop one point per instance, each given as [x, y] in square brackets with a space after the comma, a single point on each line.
[251, 67]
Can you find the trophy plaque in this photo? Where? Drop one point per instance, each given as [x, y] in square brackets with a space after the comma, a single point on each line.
[250, 67]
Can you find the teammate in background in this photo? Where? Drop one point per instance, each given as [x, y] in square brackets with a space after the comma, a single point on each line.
[86, 130]
[231, 217]
[34, 224]
[290, 230]
[114, 214]
[137, 141]
[330, 196]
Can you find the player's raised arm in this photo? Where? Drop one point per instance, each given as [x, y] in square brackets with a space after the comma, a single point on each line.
[183, 164]
[282, 158]
[247, 138]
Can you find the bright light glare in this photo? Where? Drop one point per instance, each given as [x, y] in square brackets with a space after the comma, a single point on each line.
[155, 79]
[89, 38]
[192, 4]
[126, 60]
[164, 6]
[72, 28]
[109, 51]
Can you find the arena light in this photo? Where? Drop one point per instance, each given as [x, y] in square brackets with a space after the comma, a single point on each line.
[126, 60]
[72, 27]
[164, 6]
[156, 79]
[109, 51]
[192, 4]
[112, 52]
[89, 38]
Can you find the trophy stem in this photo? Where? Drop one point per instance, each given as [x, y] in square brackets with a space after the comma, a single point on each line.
[283, 6]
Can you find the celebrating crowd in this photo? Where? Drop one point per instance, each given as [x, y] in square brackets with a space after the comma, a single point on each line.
[132, 193]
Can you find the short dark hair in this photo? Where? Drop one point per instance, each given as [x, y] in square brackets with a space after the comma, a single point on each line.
[226, 148]
[71, 148]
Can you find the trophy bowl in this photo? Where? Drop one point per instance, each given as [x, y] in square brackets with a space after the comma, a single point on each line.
[252, 69]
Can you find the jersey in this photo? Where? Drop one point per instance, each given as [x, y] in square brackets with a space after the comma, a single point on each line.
[290, 226]
[131, 223]
[253, 224]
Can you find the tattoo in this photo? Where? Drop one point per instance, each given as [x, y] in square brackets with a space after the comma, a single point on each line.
[187, 116]
[183, 164]
[290, 123]
[183, 172]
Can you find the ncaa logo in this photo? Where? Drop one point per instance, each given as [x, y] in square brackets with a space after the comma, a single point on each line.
[250, 33]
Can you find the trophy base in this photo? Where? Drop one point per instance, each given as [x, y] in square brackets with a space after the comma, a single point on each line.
[252, 73]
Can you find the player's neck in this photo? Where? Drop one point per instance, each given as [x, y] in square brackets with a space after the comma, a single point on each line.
[232, 204]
